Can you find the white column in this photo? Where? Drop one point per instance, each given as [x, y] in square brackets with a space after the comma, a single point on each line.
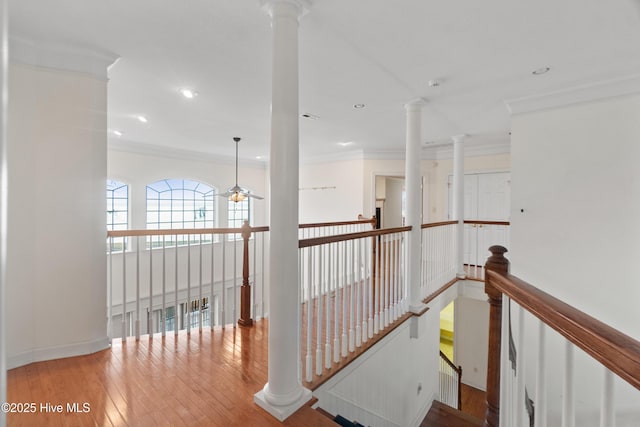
[283, 394]
[458, 200]
[4, 65]
[413, 184]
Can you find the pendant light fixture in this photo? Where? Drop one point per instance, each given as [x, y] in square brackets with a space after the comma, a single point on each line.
[237, 193]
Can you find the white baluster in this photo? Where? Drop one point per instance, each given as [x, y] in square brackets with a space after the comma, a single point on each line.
[224, 281]
[200, 287]
[110, 305]
[262, 277]
[366, 284]
[327, 299]
[352, 301]
[568, 398]
[343, 280]
[176, 309]
[319, 320]
[188, 284]
[235, 280]
[387, 272]
[212, 321]
[252, 275]
[505, 369]
[541, 393]
[374, 291]
[163, 316]
[607, 410]
[336, 303]
[308, 303]
[520, 364]
[150, 309]
[359, 282]
[137, 326]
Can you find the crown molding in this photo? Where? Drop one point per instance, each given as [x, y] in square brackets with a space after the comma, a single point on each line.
[177, 153]
[584, 93]
[443, 152]
[80, 59]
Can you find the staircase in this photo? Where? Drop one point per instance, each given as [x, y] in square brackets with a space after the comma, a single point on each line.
[441, 415]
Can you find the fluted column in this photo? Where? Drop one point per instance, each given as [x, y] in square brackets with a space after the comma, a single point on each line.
[458, 201]
[413, 186]
[283, 394]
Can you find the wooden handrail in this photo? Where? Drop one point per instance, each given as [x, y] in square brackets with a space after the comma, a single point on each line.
[478, 222]
[613, 349]
[222, 230]
[618, 352]
[437, 224]
[316, 241]
[181, 231]
[336, 223]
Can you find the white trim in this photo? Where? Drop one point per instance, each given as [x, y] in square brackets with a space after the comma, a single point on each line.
[589, 92]
[88, 60]
[177, 153]
[57, 352]
[281, 412]
[446, 151]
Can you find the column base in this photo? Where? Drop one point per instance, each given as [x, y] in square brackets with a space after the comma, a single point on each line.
[281, 412]
[462, 275]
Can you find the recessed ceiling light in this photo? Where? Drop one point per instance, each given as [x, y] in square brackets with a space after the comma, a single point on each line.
[345, 143]
[117, 132]
[258, 157]
[142, 119]
[358, 105]
[540, 71]
[188, 93]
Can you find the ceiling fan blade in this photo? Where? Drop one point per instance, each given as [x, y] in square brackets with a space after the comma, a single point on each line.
[255, 196]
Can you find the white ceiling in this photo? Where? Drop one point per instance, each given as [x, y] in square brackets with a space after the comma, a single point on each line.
[377, 52]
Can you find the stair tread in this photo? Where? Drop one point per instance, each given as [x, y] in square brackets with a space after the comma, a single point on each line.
[441, 415]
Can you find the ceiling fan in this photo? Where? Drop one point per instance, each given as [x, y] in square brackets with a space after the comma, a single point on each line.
[237, 193]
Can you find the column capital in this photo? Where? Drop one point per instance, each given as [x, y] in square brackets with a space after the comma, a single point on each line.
[278, 7]
[459, 138]
[415, 104]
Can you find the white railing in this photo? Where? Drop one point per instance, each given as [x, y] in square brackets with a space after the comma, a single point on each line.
[438, 256]
[352, 289]
[579, 371]
[479, 236]
[322, 229]
[450, 382]
[190, 285]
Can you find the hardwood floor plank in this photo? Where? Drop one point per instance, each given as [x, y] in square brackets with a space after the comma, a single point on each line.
[205, 379]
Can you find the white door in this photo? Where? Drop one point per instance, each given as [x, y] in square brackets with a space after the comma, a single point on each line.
[487, 197]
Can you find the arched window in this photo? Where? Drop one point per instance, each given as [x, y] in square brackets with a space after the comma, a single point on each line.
[117, 209]
[180, 203]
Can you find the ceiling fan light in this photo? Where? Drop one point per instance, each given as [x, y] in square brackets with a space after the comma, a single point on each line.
[237, 197]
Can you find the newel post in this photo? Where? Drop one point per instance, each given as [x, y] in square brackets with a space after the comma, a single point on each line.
[245, 289]
[496, 262]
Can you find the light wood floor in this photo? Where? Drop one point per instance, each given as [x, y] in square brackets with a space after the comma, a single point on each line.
[205, 379]
[474, 401]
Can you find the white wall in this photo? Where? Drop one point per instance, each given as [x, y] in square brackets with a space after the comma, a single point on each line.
[330, 191]
[56, 271]
[471, 328]
[575, 209]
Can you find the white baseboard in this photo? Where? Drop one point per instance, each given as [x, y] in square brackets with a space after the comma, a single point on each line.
[57, 352]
